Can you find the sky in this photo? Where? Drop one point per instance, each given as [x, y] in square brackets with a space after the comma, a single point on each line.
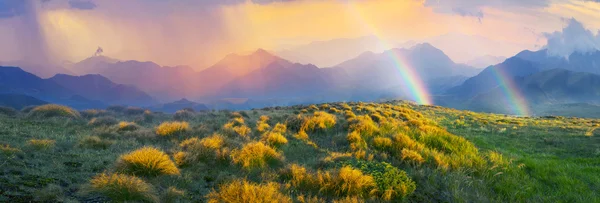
[200, 32]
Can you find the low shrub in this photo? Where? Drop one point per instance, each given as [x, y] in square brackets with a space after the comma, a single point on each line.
[347, 181]
[172, 128]
[94, 142]
[53, 110]
[320, 120]
[133, 111]
[244, 191]
[147, 161]
[41, 144]
[123, 188]
[125, 126]
[382, 143]
[103, 121]
[255, 155]
[116, 108]
[411, 156]
[205, 149]
[274, 139]
[8, 111]
[280, 128]
[8, 151]
[90, 113]
[183, 115]
[364, 125]
[173, 195]
[392, 183]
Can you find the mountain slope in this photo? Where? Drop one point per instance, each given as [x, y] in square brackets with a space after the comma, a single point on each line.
[97, 87]
[19, 101]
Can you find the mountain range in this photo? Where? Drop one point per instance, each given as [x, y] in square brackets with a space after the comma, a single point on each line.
[262, 79]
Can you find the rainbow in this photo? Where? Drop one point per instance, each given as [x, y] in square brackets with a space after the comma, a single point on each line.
[514, 97]
[411, 79]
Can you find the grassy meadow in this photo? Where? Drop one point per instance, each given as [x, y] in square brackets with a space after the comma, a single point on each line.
[337, 152]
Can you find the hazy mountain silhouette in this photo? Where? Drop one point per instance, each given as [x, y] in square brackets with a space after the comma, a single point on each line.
[543, 89]
[19, 101]
[178, 105]
[374, 71]
[97, 87]
[211, 80]
[485, 61]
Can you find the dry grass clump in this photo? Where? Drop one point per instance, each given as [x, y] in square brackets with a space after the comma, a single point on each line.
[7, 150]
[205, 149]
[53, 110]
[356, 141]
[8, 111]
[237, 126]
[173, 195]
[125, 126]
[320, 120]
[244, 191]
[262, 125]
[123, 188]
[280, 128]
[94, 142]
[274, 139]
[172, 128]
[364, 125]
[382, 143]
[147, 161]
[255, 155]
[103, 121]
[411, 156]
[41, 144]
[347, 182]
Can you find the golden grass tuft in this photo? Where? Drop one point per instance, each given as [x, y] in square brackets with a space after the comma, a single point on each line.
[244, 191]
[125, 126]
[94, 142]
[319, 120]
[255, 155]
[205, 149]
[7, 150]
[280, 128]
[123, 188]
[412, 156]
[103, 121]
[356, 141]
[172, 128]
[364, 125]
[53, 110]
[147, 161]
[274, 139]
[41, 144]
[382, 143]
[347, 182]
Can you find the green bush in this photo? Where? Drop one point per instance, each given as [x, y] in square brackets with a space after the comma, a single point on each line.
[392, 183]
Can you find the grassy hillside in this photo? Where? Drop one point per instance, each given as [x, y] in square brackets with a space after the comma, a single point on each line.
[337, 152]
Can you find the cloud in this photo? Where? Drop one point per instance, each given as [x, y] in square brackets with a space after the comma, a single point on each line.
[83, 5]
[573, 38]
[12, 8]
[474, 8]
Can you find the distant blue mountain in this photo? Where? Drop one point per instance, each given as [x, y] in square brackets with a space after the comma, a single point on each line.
[19, 101]
[91, 91]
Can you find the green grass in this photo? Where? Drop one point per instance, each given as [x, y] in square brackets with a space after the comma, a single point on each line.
[500, 159]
